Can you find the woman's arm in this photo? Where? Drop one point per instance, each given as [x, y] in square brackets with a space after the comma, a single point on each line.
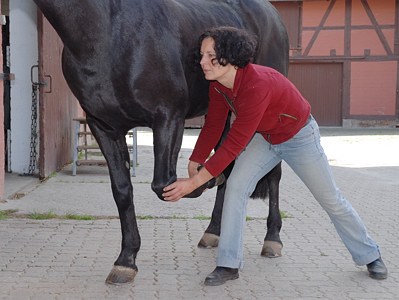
[213, 128]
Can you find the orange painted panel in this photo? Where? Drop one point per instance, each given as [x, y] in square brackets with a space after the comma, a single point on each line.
[359, 15]
[366, 39]
[337, 15]
[313, 12]
[383, 10]
[326, 41]
[390, 36]
[373, 88]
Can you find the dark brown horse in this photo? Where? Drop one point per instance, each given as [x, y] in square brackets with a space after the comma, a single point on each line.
[127, 62]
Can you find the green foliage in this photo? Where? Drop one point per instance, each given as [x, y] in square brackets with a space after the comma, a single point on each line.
[284, 215]
[202, 217]
[42, 216]
[51, 215]
[70, 216]
[4, 214]
[145, 217]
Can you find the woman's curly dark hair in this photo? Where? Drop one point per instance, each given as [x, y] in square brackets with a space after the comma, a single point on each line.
[232, 45]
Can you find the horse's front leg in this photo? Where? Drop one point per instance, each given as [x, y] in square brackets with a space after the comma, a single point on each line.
[210, 238]
[167, 143]
[114, 148]
[168, 136]
[272, 246]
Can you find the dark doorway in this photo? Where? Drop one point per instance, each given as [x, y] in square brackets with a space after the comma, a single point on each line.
[7, 85]
[321, 84]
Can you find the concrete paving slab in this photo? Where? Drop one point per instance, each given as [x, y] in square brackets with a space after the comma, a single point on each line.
[70, 259]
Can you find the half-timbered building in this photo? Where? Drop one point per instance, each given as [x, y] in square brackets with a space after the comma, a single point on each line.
[344, 59]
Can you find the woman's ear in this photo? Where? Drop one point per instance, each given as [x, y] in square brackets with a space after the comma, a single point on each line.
[223, 62]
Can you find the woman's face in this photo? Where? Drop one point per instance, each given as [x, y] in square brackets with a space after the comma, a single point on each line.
[209, 64]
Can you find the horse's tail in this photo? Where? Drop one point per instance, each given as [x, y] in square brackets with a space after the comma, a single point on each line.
[261, 190]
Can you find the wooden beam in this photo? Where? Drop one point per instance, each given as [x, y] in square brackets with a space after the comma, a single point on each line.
[319, 28]
[377, 27]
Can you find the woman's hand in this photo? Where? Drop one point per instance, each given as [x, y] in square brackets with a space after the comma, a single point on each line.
[178, 189]
[184, 186]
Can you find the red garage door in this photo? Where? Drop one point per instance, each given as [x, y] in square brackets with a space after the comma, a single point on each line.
[321, 85]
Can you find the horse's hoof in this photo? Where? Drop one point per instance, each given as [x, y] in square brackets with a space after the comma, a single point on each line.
[271, 249]
[207, 185]
[220, 179]
[208, 241]
[121, 275]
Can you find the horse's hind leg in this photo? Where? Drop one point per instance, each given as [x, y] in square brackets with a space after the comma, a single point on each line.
[272, 246]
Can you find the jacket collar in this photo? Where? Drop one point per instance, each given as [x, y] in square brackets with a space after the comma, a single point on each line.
[237, 83]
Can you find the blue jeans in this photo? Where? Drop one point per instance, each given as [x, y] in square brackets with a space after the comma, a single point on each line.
[304, 154]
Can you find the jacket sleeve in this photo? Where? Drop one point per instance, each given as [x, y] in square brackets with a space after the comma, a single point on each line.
[212, 129]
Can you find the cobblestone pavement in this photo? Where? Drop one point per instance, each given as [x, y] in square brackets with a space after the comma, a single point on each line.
[70, 259]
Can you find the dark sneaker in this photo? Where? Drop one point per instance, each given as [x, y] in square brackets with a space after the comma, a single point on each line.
[377, 269]
[220, 275]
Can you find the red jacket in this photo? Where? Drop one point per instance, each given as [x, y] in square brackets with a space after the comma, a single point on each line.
[263, 101]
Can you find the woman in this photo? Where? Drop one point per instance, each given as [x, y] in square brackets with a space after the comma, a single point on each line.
[273, 123]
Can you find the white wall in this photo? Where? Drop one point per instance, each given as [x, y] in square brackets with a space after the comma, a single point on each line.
[24, 54]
